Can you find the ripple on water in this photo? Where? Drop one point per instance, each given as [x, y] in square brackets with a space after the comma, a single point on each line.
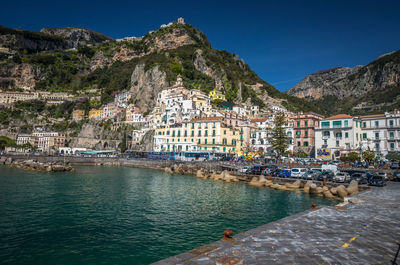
[115, 215]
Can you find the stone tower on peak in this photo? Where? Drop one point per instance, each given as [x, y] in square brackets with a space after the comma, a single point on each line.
[181, 20]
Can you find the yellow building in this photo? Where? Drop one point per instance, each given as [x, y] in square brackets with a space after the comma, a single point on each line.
[216, 95]
[78, 115]
[96, 114]
[205, 134]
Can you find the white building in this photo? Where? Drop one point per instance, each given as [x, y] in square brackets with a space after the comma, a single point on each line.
[337, 136]
[381, 133]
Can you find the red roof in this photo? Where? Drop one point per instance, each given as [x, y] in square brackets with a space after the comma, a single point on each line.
[373, 116]
[339, 116]
[258, 120]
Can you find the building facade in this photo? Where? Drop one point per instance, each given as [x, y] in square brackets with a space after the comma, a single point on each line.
[304, 125]
[338, 136]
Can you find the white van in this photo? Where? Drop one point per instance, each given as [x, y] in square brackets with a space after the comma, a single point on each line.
[297, 172]
[332, 168]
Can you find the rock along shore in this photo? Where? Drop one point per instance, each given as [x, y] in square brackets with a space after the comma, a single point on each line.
[34, 165]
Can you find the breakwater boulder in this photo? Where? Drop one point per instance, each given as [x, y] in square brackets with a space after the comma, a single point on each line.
[353, 187]
[41, 166]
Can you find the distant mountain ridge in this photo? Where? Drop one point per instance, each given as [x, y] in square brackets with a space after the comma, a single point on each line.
[362, 89]
[77, 60]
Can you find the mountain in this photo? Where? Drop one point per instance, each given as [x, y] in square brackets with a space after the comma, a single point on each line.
[364, 89]
[84, 62]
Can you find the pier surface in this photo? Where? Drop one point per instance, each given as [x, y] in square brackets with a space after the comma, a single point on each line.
[365, 231]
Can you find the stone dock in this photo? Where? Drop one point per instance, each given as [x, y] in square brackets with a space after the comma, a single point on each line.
[365, 231]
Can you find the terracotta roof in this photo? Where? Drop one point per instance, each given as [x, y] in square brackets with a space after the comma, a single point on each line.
[339, 116]
[207, 119]
[373, 116]
[258, 120]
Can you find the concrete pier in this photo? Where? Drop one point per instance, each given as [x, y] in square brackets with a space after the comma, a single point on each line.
[365, 231]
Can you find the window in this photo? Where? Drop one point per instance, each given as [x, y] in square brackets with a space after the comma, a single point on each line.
[206, 133]
[337, 124]
[298, 143]
[205, 141]
[198, 141]
[391, 146]
[377, 146]
[213, 141]
[391, 123]
[346, 135]
[179, 133]
[298, 124]
[167, 132]
[233, 142]
[199, 133]
[346, 123]
[338, 135]
[305, 143]
[364, 124]
[377, 135]
[391, 135]
[173, 133]
[192, 125]
[326, 133]
[364, 136]
[306, 134]
[376, 124]
[305, 123]
[337, 143]
[192, 133]
[298, 133]
[325, 124]
[213, 133]
[224, 131]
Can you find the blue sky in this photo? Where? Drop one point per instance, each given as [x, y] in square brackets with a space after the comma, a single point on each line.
[282, 41]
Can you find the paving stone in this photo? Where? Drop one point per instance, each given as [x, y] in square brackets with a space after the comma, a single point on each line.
[316, 237]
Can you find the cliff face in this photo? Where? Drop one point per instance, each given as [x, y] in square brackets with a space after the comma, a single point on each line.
[319, 84]
[22, 76]
[351, 87]
[145, 85]
[77, 35]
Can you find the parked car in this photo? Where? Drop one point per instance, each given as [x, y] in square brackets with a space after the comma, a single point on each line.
[396, 176]
[258, 169]
[270, 170]
[284, 173]
[297, 172]
[395, 166]
[383, 174]
[377, 180]
[310, 175]
[326, 174]
[244, 169]
[316, 170]
[341, 177]
[360, 178]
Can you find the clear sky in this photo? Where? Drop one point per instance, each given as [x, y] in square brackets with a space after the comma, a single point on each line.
[282, 41]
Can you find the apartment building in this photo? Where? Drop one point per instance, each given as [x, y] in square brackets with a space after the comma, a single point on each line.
[205, 134]
[337, 136]
[304, 125]
[381, 133]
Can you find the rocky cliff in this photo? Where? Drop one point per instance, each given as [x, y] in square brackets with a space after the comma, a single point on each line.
[77, 35]
[375, 86]
[22, 76]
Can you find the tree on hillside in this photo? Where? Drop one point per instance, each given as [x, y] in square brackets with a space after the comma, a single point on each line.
[280, 140]
[123, 143]
[368, 155]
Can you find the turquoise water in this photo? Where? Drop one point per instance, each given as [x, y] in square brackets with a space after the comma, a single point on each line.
[116, 215]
